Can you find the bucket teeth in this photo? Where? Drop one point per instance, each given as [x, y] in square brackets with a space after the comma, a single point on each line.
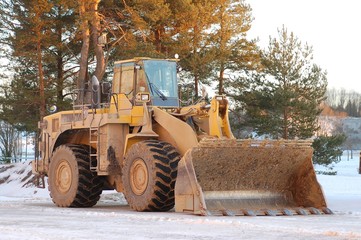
[314, 211]
[227, 213]
[249, 213]
[270, 212]
[301, 211]
[287, 212]
[327, 210]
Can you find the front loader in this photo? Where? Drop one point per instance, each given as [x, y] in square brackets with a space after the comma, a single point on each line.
[135, 138]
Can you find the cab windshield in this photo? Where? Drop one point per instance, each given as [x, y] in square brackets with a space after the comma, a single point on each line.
[162, 78]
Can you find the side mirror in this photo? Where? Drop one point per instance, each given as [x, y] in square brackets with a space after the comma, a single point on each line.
[95, 88]
[106, 86]
[204, 92]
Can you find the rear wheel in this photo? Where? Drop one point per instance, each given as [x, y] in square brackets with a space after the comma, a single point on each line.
[149, 173]
[71, 183]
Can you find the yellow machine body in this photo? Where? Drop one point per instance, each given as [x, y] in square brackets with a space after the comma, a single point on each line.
[216, 174]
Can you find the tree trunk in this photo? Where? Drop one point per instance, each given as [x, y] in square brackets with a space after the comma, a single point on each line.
[84, 28]
[196, 86]
[158, 36]
[285, 123]
[39, 59]
[60, 68]
[59, 78]
[95, 33]
[41, 78]
[221, 78]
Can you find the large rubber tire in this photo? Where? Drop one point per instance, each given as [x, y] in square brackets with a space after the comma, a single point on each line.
[149, 173]
[71, 183]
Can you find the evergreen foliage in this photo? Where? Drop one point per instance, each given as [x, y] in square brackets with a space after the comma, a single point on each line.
[232, 51]
[35, 35]
[282, 100]
[45, 42]
[52, 43]
[327, 150]
[194, 46]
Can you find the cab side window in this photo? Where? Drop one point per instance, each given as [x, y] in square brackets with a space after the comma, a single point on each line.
[127, 79]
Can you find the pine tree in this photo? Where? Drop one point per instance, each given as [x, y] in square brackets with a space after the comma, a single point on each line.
[283, 100]
[233, 52]
[193, 43]
[62, 56]
[327, 150]
[146, 26]
[27, 37]
[35, 42]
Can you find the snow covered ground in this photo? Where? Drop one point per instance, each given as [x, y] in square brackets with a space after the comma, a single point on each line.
[28, 213]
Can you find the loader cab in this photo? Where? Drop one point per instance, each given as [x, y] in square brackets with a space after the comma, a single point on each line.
[156, 76]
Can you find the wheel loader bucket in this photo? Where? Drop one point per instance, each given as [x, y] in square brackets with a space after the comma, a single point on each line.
[248, 177]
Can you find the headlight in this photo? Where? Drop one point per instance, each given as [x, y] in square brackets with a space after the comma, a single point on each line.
[145, 97]
[142, 97]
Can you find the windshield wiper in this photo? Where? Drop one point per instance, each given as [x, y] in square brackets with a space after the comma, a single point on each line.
[157, 91]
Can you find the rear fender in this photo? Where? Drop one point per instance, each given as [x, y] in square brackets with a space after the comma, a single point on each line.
[73, 136]
[47, 146]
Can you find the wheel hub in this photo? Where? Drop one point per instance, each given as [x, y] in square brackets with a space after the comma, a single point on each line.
[139, 177]
[63, 177]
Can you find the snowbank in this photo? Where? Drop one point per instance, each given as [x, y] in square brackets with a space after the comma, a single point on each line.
[343, 191]
[28, 212]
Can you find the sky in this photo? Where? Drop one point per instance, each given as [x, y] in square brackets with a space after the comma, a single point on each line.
[331, 27]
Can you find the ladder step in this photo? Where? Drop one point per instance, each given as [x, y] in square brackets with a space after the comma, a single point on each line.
[94, 140]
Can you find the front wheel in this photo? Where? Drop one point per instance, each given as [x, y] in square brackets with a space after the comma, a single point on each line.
[71, 183]
[149, 173]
